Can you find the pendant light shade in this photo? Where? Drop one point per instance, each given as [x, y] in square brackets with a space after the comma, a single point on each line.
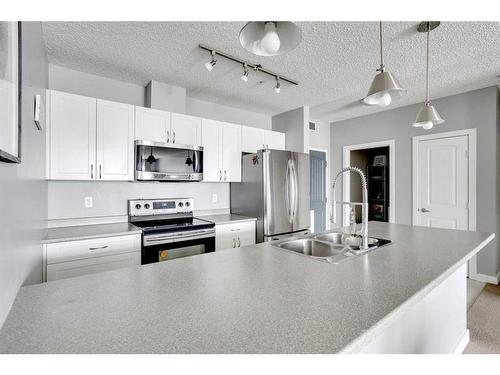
[270, 38]
[428, 116]
[385, 86]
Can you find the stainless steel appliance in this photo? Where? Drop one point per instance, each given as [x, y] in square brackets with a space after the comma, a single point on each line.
[156, 161]
[169, 229]
[275, 190]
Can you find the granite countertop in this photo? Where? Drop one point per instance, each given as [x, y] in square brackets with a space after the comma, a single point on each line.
[256, 299]
[85, 232]
[220, 219]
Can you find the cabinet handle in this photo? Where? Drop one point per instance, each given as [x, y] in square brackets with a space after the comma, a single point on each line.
[100, 172]
[267, 146]
[239, 242]
[220, 175]
[234, 230]
[234, 243]
[92, 171]
[173, 138]
[168, 136]
[98, 248]
[225, 175]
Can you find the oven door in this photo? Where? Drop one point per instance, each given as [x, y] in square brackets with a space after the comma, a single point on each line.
[160, 247]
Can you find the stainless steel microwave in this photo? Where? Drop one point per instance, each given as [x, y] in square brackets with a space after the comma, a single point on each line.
[158, 161]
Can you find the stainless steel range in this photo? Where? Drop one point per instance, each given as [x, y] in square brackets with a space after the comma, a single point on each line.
[169, 229]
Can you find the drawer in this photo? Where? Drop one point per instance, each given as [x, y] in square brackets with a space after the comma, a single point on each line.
[87, 266]
[98, 247]
[244, 226]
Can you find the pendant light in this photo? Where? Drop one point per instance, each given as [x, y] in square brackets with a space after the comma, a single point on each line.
[270, 38]
[428, 116]
[384, 85]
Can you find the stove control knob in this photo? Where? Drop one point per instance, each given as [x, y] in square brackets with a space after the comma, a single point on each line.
[146, 206]
[180, 204]
[138, 206]
[188, 204]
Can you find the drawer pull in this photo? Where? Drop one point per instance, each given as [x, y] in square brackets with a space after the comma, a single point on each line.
[234, 230]
[98, 248]
[239, 242]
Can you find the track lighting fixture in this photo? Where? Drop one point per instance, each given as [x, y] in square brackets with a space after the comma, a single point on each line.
[384, 85]
[246, 67]
[210, 65]
[277, 88]
[428, 116]
[244, 77]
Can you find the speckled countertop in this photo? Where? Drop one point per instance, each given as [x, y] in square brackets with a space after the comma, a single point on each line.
[85, 232]
[256, 299]
[226, 218]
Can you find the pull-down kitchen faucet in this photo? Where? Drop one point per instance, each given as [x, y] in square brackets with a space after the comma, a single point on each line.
[364, 205]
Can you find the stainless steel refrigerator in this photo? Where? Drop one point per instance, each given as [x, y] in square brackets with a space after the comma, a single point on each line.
[275, 190]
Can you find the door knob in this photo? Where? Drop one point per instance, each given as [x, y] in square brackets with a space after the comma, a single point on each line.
[423, 210]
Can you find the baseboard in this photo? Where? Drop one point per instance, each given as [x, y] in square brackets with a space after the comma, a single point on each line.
[486, 278]
[462, 344]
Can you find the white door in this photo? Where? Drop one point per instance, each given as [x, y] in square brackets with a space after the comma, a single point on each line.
[115, 141]
[442, 182]
[72, 137]
[186, 130]
[152, 125]
[231, 152]
[252, 139]
[211, 137]
[275, 140]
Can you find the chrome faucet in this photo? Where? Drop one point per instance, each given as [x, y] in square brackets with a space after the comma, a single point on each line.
[364, 205]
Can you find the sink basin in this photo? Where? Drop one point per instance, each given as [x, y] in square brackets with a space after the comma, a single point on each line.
[314, 248]
[353, 242]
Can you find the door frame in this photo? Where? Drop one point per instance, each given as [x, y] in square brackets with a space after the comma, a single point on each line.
[472, 196]
[327, 190]
[346, 185]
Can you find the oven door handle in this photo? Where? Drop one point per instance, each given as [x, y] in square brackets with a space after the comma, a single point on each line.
[179, 238]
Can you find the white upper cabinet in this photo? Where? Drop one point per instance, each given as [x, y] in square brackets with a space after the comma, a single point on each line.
[231, 152]
[254, 139]
[221, 151]
[212, 157]
[115, 141]
[72, 136]
[152, 124]
[274, 140]
[185, 130]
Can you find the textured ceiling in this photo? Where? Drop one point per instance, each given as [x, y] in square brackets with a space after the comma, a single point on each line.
[334, 64]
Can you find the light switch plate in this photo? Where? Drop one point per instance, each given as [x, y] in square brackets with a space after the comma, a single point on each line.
[88, 202]
[214, 198]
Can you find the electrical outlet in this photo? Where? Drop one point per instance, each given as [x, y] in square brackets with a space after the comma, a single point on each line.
[214, 198]
[88, 202]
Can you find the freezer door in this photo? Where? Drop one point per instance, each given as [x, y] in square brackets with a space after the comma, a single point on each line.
[277, 191]
[301, 200]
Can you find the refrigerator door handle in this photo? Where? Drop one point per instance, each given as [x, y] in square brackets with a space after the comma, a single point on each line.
[295, 192]
[288, 190]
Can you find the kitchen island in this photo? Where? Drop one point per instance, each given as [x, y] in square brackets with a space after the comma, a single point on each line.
[408, 296]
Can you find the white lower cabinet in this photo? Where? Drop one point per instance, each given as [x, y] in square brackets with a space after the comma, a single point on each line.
[77, 258]
[234, 235]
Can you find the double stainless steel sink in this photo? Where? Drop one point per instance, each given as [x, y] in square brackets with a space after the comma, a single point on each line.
[333, 247]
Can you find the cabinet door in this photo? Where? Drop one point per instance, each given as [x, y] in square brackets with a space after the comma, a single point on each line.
[211, 137]
[152, 125]
[246, 234]
[234, 235]
[252, 139]
[186, 130]
[275, 140]
[72, 136]
[115, 141]
[231, 152]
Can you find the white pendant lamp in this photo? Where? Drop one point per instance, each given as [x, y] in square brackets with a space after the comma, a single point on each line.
[428, 116]
[270, 38]
[384, 85]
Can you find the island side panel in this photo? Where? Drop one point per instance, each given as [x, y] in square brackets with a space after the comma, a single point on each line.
[435, 324]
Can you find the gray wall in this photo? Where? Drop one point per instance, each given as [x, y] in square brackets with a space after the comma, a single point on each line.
[475, 109]
[66, 198]
[295, 125]
[23, 189]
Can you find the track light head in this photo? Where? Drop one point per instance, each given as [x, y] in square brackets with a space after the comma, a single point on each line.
[244, 77]
[210, 65]
[277, 88]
